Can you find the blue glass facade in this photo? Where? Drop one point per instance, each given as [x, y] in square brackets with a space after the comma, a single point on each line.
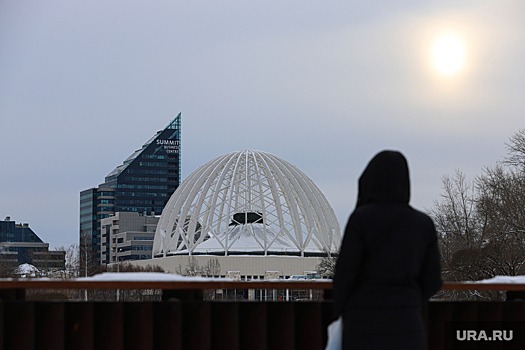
[143, 183]
[19, 244]
[12, 232]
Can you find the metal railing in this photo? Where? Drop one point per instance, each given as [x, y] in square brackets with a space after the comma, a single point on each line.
[182, 321]
[202, 284]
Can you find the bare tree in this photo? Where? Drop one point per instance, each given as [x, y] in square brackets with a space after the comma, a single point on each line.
[212, 268]
[502, 198]
[72, 261]
[516, 150]
[481, 225]
[456, 219]
[87, 258]
[129, 267]
[193, 268]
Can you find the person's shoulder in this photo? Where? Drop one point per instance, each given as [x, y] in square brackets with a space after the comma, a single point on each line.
[421, 217]
[361, 214]
[417, 212]
[365, 210]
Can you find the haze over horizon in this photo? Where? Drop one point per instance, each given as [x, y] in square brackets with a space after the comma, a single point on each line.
[322, 85]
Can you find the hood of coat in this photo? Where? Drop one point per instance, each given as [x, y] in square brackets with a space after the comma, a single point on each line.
[385, 180]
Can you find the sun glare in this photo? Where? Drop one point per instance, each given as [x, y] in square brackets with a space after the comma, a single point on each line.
[448, 54]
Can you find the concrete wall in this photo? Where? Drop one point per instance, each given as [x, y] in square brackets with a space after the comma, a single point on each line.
[246, 265]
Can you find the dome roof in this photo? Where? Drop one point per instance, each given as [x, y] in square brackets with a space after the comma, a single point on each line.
[247, 202]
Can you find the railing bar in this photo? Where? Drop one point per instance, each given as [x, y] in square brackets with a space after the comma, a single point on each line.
[48, 284]
[182, 285]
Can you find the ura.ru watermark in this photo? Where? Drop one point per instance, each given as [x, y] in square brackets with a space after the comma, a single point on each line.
[483, 335]
[487, 334]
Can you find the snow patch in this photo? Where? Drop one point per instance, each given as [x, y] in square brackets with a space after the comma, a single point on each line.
[27, 270]
[149, 277]
[503, 280]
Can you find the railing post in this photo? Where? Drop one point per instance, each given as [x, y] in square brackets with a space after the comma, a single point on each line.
[108, 326]
[79, 325]
[308, 325]
[253, 330]
[13, 294]
[167, 325]
[515, 295]
[328, 294]
[182, 294]
[280, 325]
[50, 324]
[439, 313]
[225, 325]
[196, 328]
[19, 325]
[138, 326]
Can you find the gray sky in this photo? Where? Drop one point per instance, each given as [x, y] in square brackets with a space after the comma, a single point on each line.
[322, 84]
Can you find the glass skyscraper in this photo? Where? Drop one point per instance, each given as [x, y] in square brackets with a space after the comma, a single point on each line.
[143, 183]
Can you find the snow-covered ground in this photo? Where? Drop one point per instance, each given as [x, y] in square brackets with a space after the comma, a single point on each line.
[148, 276]
[160, 276]
[503, 279]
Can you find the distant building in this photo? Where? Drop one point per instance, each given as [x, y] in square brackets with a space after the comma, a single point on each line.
[19, 244]
[129, 235]
[246, 215]
[247, 203]
[143, 183]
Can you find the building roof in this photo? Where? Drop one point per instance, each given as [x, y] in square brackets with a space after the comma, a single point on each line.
[247, 202]
[173, 125]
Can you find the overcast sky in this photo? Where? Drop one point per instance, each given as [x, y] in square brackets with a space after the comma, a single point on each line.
[322, 84]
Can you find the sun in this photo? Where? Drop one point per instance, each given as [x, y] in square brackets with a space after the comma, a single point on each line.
[448, 54]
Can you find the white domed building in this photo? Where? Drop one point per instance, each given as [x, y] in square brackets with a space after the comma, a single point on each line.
[253, 213]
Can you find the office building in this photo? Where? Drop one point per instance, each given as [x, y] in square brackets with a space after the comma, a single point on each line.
[19, 244]
[130, 235]
[143, 183]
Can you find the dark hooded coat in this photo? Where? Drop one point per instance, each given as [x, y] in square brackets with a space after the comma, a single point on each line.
[389, 262]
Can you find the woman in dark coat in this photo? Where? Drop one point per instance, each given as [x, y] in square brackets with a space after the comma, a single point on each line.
[389, 262]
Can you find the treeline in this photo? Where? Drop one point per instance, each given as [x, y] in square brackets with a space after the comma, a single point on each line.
[481, 223]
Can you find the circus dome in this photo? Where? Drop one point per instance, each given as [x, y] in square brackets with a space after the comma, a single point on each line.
[247, 203]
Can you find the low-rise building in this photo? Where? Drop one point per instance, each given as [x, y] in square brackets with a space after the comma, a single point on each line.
[19, 244]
